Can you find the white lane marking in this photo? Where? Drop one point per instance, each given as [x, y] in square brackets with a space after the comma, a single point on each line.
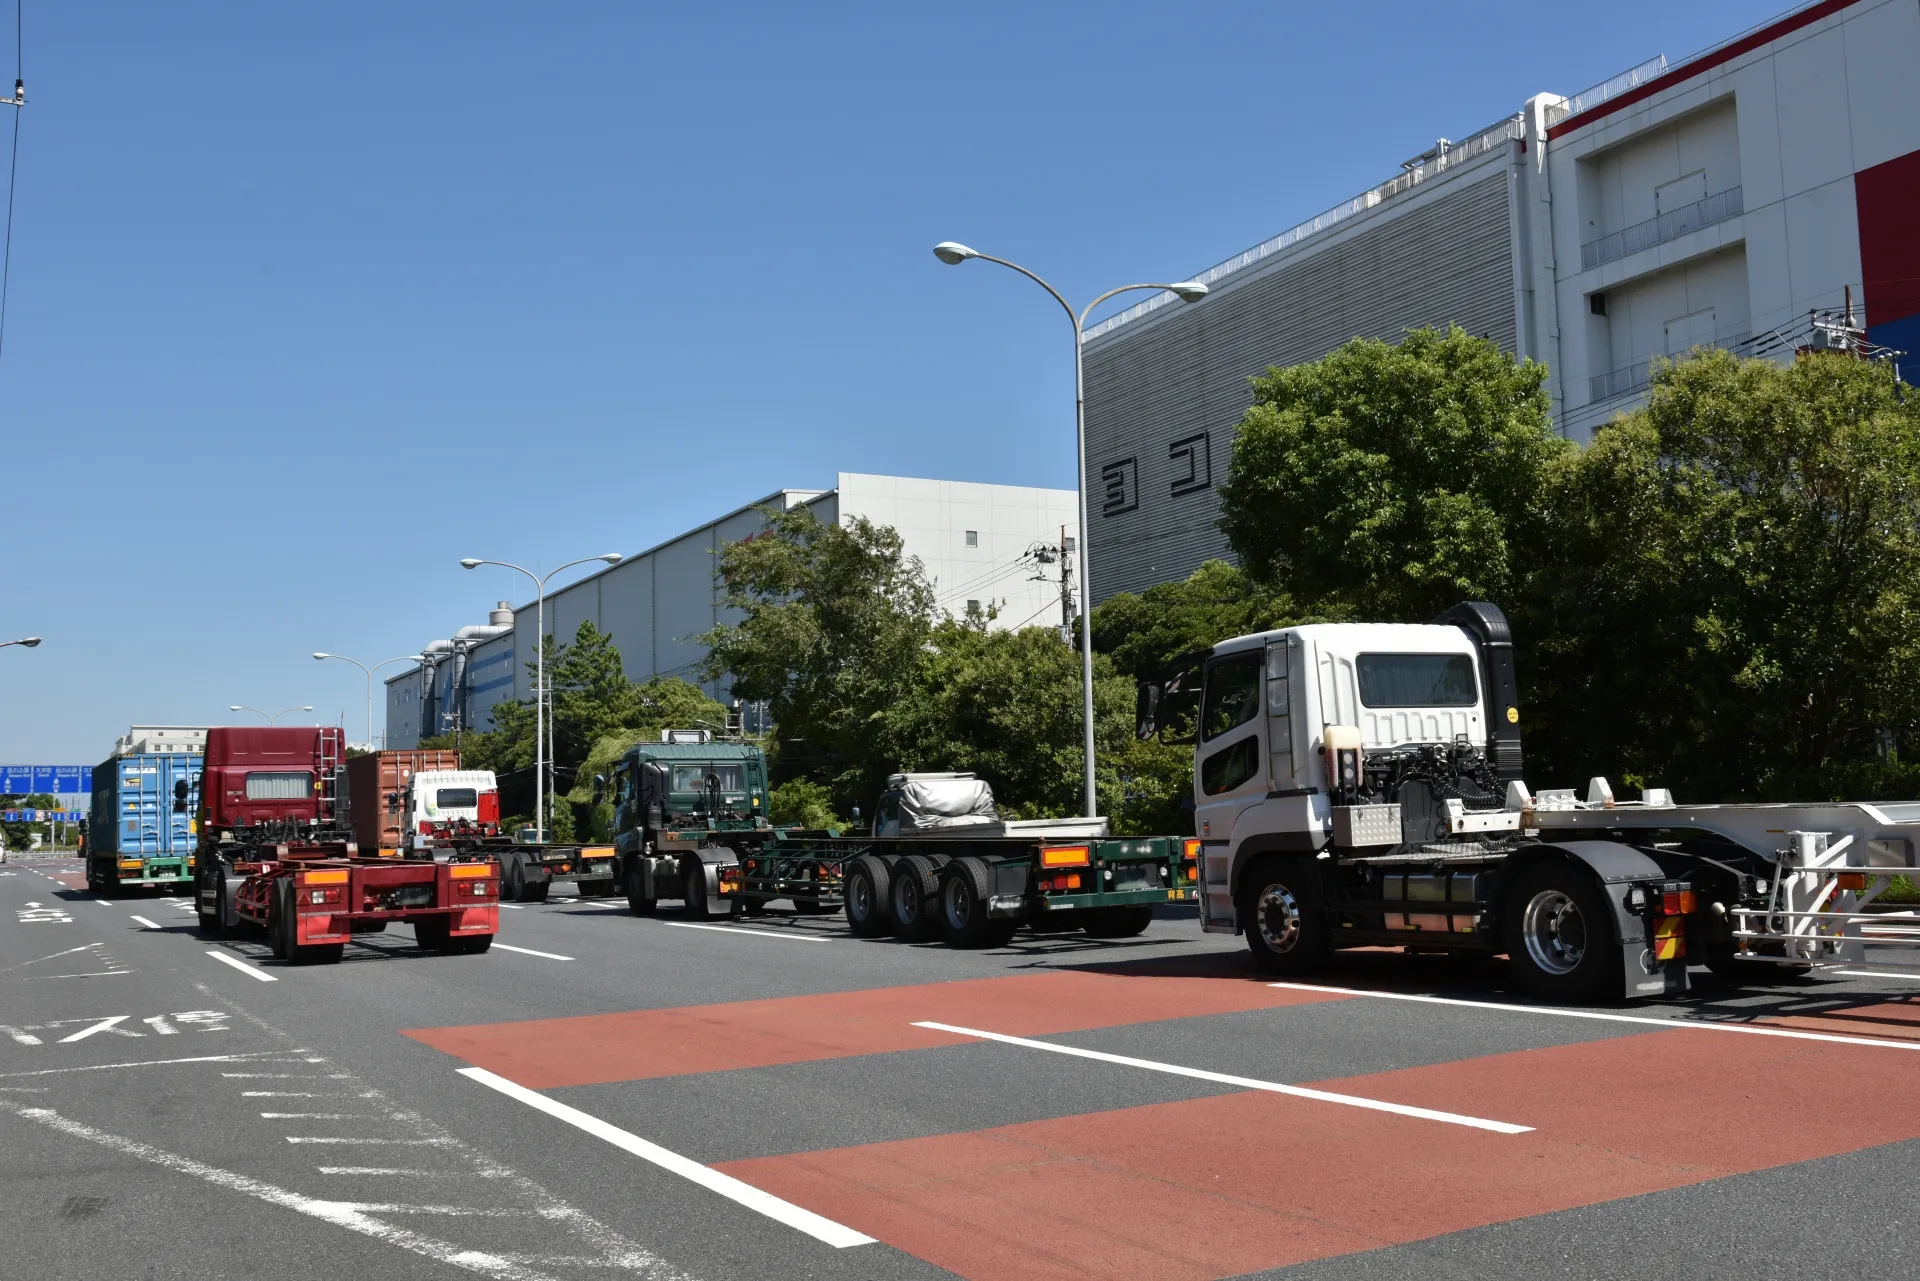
[144, 921]
[101, 1026]
[398, 1143]
[20, 1034]
[527, 951]
[102, 1067]
[1683, 1025]
[302, 1094]
[318, 1116]
[1876, 974]
[54, 955]
[339, 1213]
[513, 907]
[289, 1076]
[816, 1226]
[411, 1174]
[1244, 1082]
[743, 929]
[91, 974]
[243, 967]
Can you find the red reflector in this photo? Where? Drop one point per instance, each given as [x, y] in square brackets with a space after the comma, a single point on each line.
[1853, 880]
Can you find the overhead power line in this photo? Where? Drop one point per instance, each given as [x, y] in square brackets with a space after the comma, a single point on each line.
[17, 102]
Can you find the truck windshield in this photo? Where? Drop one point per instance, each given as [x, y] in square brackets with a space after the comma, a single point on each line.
[279, 786]
[1416, 680]
[456, 798]
[693, 778]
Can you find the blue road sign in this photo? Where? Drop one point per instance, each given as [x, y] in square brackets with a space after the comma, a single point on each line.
[57, 780]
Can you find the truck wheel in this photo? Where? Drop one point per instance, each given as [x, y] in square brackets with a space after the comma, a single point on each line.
[280, 935]
[430, 932]
[866, 888]
[964, 896]
[640, 906]
[1279, 906]
[693, 888]
[210, 903]
[1559, 937]
[907, 900]
[1118, 922]
[470, 944]
[513, 878]
[537, 892]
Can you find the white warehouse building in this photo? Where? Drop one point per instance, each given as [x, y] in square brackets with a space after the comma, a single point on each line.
[991, 547]
[1723, 199]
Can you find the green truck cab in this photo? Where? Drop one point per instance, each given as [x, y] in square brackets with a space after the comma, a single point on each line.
[684, 811]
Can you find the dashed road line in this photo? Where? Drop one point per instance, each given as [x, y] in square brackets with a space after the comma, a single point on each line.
[1675, 1024]
[243, 967]
[1244, 1082]
[745, 929]
[527, 951]
[144, 921]
[1876, 974]
[814, 1225]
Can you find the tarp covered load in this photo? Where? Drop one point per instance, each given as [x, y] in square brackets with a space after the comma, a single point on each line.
[928, 804]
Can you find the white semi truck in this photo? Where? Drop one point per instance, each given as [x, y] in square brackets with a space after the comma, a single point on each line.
[1360, 784]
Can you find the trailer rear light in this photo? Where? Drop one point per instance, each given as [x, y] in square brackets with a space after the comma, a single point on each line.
[1066, 856]
[426, 828]
[1059, 884]
[1853, 880]
[1190, 848]
[335, 877]
[459, 870]
[478, 889]
[1677, 902]
[332, 895]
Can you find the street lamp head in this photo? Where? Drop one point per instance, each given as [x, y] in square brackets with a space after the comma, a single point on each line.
[953, 253]
[613, 558]
[31, 642]
[1189, 290]
[235, 707]
[307, 708]
[470, 563]
[322, 655]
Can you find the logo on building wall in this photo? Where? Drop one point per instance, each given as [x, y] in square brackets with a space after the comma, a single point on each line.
[1120, 487]
[1192, 459]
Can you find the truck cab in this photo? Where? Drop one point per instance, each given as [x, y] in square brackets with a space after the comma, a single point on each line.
[683, 809]
[447, 806]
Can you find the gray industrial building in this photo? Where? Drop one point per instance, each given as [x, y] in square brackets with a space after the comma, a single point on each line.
[1756, 195]
[978, 543]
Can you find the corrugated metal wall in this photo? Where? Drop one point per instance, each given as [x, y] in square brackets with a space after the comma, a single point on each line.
[1164, 394]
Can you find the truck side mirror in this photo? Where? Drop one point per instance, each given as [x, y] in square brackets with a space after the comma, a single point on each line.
[180, 796]
[599, 788]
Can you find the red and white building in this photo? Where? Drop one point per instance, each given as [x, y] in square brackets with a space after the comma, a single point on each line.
[1744, 197]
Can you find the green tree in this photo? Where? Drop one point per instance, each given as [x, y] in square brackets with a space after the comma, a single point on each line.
[1388, 481]
[1142, 632]
[833, 620]
[801, 802]
[18, 835]
[1732, 603]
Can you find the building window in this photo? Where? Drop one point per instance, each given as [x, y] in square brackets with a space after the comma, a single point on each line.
[973, 538]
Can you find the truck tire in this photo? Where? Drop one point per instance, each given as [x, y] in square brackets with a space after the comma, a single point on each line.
[1279, 903]
[469, 944]
[641, 906]
[909, 898]
[965, 893]
[513, 878]
[430, 932]
[693, 888]
[1118, 922]
[212, 923]
[283, 930]
[1559, 935]
[867, 884]
[537, 892]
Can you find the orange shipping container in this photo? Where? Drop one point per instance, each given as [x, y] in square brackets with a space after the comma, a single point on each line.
[375, 793]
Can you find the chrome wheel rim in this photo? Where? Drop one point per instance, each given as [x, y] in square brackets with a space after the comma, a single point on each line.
[1277, 916]
[1555, 932]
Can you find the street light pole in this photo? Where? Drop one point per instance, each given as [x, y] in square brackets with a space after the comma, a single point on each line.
[953, 254]
[540, 735]
[29, 642]
[404, 658]
[273, 718]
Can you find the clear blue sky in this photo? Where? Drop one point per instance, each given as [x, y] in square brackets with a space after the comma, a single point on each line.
[310, 301]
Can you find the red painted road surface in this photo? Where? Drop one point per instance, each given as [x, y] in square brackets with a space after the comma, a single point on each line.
[1219, 1186]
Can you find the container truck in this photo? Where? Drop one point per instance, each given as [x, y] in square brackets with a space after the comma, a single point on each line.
[275, 856]
[373, 795]
[1361, 784]
[138, 837]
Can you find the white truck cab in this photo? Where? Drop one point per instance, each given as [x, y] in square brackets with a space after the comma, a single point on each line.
[444, 803]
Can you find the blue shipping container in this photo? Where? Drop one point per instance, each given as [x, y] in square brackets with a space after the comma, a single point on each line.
[133, 812]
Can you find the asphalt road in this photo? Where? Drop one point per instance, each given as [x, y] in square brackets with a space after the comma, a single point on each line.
[617, 1096]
